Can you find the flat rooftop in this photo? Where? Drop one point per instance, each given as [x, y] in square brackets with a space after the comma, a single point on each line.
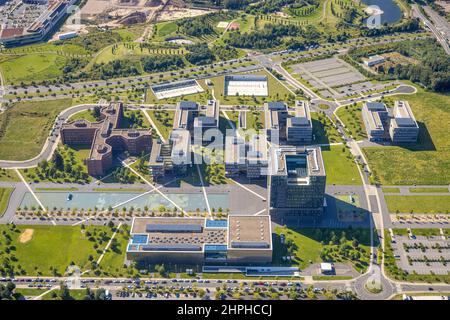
[302, 116]
[403, 115]
[183, 114]
[373, 110]
[297, 162]
[199, 234]
[249, 232]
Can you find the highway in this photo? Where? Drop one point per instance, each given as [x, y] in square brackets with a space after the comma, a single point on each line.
[436, 27]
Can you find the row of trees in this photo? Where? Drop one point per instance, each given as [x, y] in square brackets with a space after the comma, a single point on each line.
[271, 36]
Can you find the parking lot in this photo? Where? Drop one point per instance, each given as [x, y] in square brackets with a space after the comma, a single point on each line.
[16, 14]
[422, 255]
[334, 78]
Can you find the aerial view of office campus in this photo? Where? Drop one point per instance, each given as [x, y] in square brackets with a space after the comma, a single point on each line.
[224, 150]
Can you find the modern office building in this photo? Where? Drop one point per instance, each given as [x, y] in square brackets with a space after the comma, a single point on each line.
[185, 113]
[275, 117]
[181, 151]
[211, 117]
[235, 156]
[246, 157]
[160, 160]
[39, 28]
[105, 138]
[403, 127]
[299, 127]
[208, 119]
[297, 181]
[237, 240]
[374, 60]
[375, 117]
[242, 120]
[172, 157]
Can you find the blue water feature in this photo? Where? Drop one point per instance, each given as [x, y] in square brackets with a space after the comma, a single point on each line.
[101, 201]
[391, 11]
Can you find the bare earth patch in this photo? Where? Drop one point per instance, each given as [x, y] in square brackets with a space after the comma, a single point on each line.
[26, 236]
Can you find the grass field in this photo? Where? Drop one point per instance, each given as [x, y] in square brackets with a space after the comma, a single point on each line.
[8, 175]
[38, 67]
[324, 131]
[418, 204]
[80, 153]
[25, 127]
[30, 292]
[351, 116]
[5, 194]
[49, 250]
[83, 115]
[340, 167]
[424, 163]
[313, 246]
[112, 263]
[163, 119]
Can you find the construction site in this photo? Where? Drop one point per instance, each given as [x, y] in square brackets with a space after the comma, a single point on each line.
[117, 13]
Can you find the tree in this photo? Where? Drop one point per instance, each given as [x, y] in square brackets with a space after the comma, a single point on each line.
[64, 292]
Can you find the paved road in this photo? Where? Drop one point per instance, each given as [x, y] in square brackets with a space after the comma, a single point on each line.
[435, 27]
[129, 82]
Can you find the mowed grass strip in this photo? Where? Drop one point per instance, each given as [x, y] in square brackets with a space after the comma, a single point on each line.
[5, 194]
[418, 204]
[429, 190]
[25, 127]
[390, 190]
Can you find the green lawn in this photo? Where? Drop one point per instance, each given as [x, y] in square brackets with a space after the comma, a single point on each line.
[163, 119]
[31, 292]
[340, 167]
[255, 120]
[112, 263]
[428, 190]
[351, 116]
[26, 126]
[166, 28]
[5, 194]
[83, 115]
[75, 173]
[324, 131]
[390, 190]
[51, 249]
[8, 175]
[418, 204]
[426, 232]
[36, 67]
[424, 163]
[309, 245]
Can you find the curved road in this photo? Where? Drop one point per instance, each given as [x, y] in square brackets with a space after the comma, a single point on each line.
[51, 142]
